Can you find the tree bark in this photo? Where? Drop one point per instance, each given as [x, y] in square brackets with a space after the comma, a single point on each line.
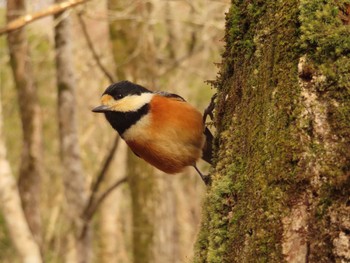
[73, 174]
[12, 211]
[280, 184]
[31, 158]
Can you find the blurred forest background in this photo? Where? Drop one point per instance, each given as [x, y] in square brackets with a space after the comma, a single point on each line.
[52, 73]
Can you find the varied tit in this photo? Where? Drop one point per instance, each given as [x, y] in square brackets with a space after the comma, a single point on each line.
[159, 127]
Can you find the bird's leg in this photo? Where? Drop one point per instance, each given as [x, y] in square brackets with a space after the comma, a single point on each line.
[209, 110]
[207, 151]
[205, 178]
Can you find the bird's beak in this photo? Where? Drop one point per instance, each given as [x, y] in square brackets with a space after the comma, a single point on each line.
[102, 108]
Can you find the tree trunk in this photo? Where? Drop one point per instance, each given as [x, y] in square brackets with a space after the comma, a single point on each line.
[73, 175]
[31, 159]
[280, 184]
[12, 210]
[164, 221]
[123, 35]
[128, 53]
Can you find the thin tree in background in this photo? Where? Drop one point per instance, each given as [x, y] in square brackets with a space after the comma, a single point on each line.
[115, 216]
[280, 186]
[114, 212]
[73, 174]
[146, 57]
[126, 42]
[30, 171]
[12, 211]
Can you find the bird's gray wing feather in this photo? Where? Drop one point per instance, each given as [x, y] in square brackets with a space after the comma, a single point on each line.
[169, 95]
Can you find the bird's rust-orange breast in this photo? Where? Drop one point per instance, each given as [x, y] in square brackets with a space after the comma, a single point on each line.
[156, 157]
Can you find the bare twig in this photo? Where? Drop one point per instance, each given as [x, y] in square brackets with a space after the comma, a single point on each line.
[94, 202]
[93, 50]
[49, 11]
[102, 197]
[92, 209]
[100, 176]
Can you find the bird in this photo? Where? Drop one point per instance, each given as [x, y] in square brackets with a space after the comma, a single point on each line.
[159, 127]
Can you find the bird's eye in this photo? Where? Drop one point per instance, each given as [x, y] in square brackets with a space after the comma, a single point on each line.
[118, 96]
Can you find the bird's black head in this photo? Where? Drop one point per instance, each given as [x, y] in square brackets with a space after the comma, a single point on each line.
[125, 88]
[124, 103]
[124, 96]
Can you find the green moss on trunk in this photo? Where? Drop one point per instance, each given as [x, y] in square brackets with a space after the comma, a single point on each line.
[270, 149]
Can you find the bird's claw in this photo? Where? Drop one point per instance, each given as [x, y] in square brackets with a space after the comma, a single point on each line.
[206, 179]
[209, 110]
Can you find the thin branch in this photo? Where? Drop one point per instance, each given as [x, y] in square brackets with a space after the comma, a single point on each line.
[90, 211]
[101, 176]
[102, 197]
[93, 50]
[92, 205]
[49, 11]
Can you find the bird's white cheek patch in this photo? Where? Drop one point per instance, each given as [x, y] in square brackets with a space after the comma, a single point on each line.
[128, 103]
[132, 102]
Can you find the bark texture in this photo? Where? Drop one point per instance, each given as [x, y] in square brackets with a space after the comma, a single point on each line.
[280, 190]
[31, 159]
[12, 211]
[73, 176]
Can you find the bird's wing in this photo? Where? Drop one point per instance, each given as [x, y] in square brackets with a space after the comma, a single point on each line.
[169, 95]
[208, 147]
[136, 153]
